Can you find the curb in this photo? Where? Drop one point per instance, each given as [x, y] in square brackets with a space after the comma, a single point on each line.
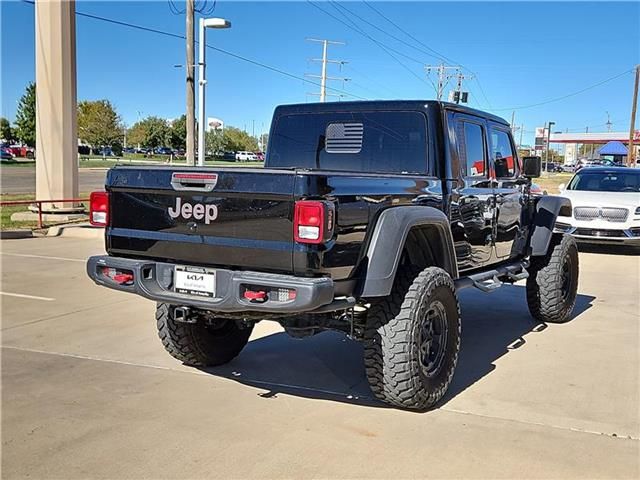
[15, 234]
[80, 230]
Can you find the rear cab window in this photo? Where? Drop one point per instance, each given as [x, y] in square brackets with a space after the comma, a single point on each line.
[471, 149]
[376, 142]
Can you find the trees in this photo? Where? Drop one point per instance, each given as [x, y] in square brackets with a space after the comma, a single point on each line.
[214, 142]
[150, 132]
[26, 116]
[6, 132]
[236, 139]
[98, 123]
[178, 132]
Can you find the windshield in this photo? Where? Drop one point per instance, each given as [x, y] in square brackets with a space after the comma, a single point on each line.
[627, 181]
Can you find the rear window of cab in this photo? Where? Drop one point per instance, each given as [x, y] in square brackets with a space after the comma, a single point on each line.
[377, 142]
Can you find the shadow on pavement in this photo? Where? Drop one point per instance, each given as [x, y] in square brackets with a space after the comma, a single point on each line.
[329, 366]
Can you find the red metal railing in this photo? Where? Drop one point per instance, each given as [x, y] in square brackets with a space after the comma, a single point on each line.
[39, 203]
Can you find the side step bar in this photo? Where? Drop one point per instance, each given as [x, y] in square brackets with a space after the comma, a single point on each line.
[493, 279]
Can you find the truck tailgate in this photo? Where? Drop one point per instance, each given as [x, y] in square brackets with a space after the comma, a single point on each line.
[244, 220]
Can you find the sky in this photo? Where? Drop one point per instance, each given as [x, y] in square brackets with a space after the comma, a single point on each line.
[520, 53]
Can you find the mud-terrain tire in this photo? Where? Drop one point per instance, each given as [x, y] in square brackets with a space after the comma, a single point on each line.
[197, 344]
[406, 366]
[552, 285]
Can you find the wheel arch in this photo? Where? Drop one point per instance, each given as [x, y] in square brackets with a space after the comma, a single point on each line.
[421, 233]
[547, 210]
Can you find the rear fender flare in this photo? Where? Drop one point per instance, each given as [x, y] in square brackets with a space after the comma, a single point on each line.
[388, 240]
[547, 210]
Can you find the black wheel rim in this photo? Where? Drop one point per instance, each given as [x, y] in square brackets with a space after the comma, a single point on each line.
[566, 279]
[433, 338]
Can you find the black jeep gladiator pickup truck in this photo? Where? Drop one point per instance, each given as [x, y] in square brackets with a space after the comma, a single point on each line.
[367, 218]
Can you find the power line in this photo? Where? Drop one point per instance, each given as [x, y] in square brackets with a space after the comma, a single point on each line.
[217, 49]
[573, 94]
[435, 52]
[352, 69]
[357, 29]
[387, 33]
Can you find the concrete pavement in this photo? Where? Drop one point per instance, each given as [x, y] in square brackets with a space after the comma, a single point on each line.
[88, 391]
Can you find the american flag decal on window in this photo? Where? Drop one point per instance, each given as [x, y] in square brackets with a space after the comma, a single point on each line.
[344, 138]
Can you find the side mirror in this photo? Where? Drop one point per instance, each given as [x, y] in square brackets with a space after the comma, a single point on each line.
[531, 167]
[561, 187]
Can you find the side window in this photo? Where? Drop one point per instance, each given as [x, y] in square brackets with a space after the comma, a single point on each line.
[471, 149]
[504, 160]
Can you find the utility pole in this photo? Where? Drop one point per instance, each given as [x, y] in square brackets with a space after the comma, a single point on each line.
[521, 134]
[325, 60]
[632, 128]
[443, 76]
[459, 96]
[608, 124]
[191, 92]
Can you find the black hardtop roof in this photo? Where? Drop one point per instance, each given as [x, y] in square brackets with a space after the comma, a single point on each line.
[373, 105]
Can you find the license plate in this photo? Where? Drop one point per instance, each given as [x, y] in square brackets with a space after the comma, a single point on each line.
[195, 281]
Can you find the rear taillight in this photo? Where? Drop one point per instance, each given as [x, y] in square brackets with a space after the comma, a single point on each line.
[312, 220]
[99, 209]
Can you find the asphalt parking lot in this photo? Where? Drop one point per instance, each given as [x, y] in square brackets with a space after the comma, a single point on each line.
[88, 391]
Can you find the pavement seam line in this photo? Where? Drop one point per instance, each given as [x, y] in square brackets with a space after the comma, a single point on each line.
[44, 257]
[30, 297]
[54, 317]
[318, 390]
[540, 424]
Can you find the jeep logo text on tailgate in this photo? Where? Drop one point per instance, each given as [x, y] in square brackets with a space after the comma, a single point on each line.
[198, 211]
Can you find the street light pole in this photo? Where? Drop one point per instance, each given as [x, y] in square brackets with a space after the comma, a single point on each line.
[202, 80]
[201, 83]
[546, 163]
[190, 114]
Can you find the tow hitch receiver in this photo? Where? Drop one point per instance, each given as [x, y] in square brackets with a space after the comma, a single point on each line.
[183, 315]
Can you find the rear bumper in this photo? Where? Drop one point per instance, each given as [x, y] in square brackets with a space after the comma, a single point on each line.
[154, 280]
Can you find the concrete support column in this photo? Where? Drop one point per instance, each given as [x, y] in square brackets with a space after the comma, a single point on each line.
[56, 103]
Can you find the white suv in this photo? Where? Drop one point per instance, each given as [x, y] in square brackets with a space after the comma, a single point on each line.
[246, 156]
[605, 206]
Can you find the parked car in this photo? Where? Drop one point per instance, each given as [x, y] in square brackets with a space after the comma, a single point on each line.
[245, 156]
[229, 156]
[259, 156]
[6, 154]
[606, 206]
[364, 233]
[163, 151]
[552, 167]
[22, 151]
[105, 152]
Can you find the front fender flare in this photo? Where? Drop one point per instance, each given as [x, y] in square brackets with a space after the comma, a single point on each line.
[547, 210]
[388, 239]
